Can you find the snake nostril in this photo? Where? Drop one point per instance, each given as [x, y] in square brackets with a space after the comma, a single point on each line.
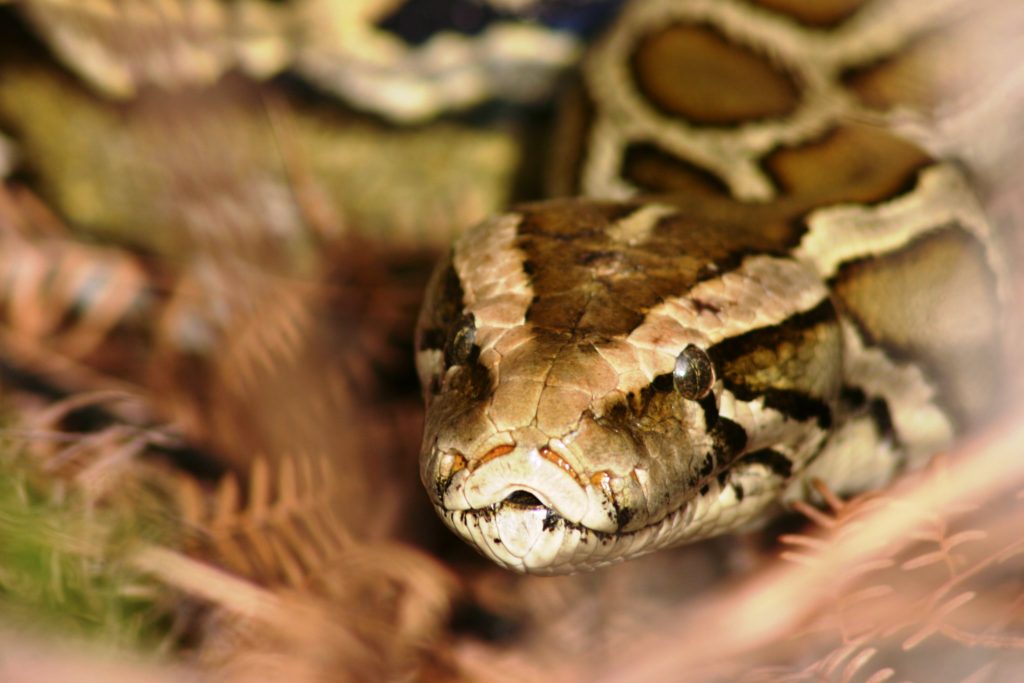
[523, 499]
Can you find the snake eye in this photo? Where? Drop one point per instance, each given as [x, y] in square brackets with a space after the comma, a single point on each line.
[461, 338]
[694, 374]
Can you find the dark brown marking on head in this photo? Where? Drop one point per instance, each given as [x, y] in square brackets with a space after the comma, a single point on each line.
[778, 463]
[728, 440]
[439, 324]
[443, 309]
[814, 13]
[709, 405]
[794, 364]
[662, 383]
[591, 286]
[933, 301]
[772, 228]
[471, 380]
[581, 294]
[697, 74]
[706, 467]
[652, 169]
[850, 163]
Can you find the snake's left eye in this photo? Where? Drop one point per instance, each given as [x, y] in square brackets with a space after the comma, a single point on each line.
[458, 348]
[694, 373]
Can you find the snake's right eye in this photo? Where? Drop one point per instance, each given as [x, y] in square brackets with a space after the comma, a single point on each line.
[458, 347]
[694, 373]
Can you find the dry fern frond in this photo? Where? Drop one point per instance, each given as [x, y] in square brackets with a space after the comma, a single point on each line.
[920, 583]
[281, 532]
[385, 613]
[59, 292]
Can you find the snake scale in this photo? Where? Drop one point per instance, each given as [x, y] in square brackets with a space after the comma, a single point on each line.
[763, 278]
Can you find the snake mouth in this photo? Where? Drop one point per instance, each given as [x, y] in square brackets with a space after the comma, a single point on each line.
[523, 510]
[522, 534]
[527, 482]
[523, 499]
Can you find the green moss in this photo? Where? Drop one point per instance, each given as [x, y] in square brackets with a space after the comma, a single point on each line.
[63, 563]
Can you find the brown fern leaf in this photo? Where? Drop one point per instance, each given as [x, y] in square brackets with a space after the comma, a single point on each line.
[58, 292]
[283, 531]
[388, 619]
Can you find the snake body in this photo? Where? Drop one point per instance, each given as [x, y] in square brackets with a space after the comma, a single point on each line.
[766, 279]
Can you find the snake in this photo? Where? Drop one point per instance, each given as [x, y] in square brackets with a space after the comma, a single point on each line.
[754, 274]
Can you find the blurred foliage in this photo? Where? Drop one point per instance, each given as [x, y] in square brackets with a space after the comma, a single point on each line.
[65, 566]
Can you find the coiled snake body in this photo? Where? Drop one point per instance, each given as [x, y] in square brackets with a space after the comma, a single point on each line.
[803, 291]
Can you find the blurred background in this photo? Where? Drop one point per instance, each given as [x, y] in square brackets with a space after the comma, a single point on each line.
[216, 221]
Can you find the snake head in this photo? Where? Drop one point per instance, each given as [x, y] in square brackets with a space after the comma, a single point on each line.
[586, 398]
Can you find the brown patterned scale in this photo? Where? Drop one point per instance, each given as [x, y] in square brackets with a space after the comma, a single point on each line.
[804, 291]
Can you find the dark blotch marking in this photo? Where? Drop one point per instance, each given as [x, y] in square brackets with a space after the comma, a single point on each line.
[738, 489]
[707, 467]
[441, 314]
[853, 398]
[710, 407]
[590, 286]
[773, 460]
[698, 74]
[434, 338]
[655, 170]
[445, 307]
[849, 163]
[814, 13]
[856, 403]
[778, 361]
[728, 440]
[663, 383]
[946, 317]
[460, 347]
[797, 405]
[471, 379]
[882, 418]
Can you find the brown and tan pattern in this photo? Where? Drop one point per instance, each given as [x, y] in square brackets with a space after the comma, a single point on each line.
[842, 282]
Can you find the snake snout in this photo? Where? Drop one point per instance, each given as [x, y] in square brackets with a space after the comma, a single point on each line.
[530, 479]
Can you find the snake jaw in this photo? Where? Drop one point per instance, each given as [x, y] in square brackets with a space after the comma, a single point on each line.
[536, 540]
